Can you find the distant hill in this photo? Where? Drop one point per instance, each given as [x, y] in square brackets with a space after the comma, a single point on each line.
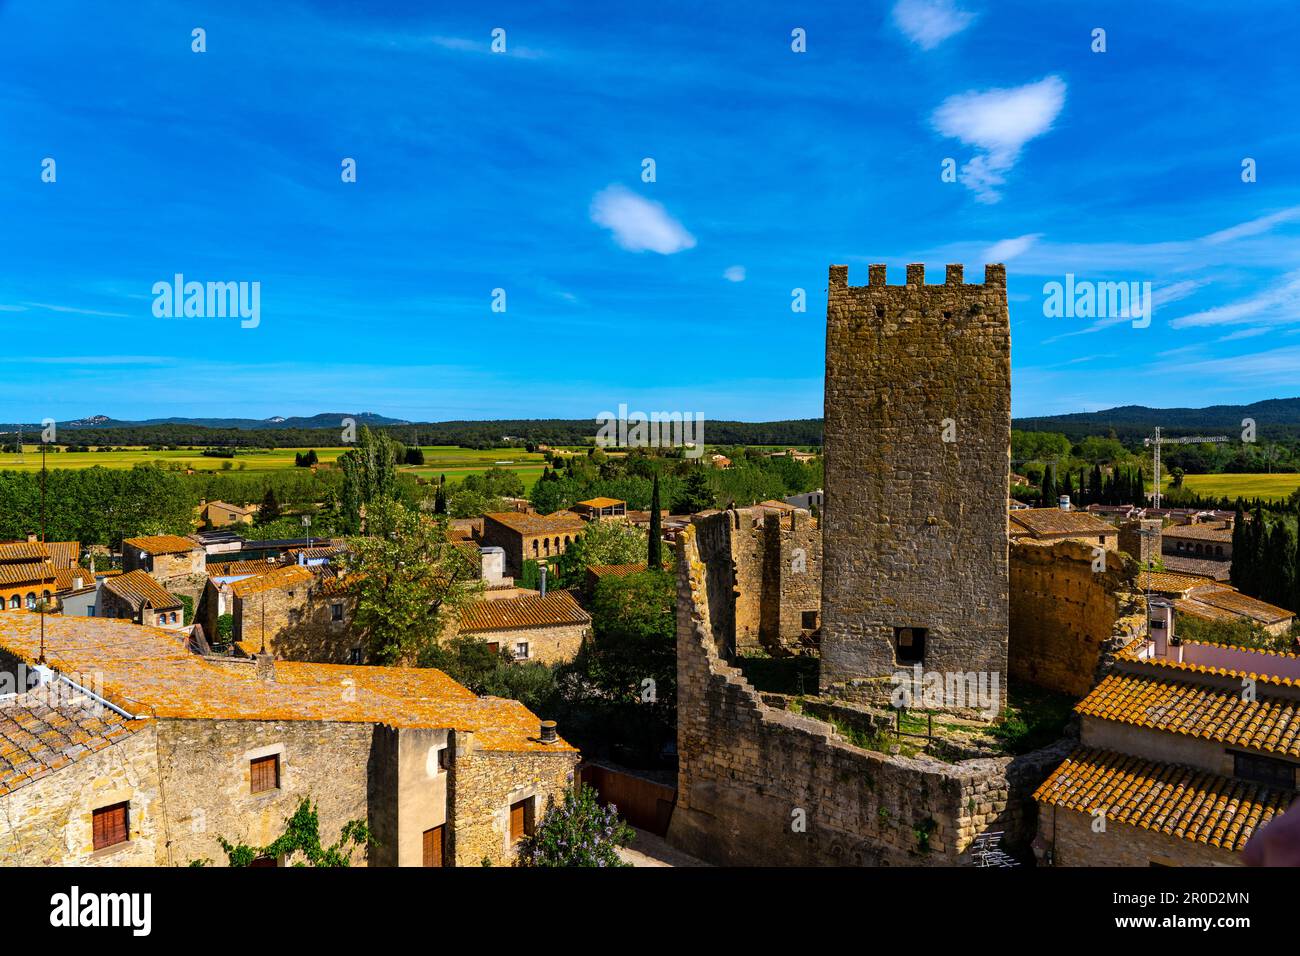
[323, 420]
[1278, 418]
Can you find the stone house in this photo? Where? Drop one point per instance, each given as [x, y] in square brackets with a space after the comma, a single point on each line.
[199, 747]
[27, 574]
[1208, 541]
[137, 597]
[178, 564]
[1212, 601]
[295, 614]
[1178, 765]
[1056, 524]
[221, 514]
[550, 628]
[529, 537]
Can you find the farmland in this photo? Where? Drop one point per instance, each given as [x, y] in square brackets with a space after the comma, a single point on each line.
[452, 461]
[1269, 487]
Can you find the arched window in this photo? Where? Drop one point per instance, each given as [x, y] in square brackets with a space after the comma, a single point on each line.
[1200, 549]
[557, 545]
[15, 602]
[1218, 550]
[31, 600]
[534, 547]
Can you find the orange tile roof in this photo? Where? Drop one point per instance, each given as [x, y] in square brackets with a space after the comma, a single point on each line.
[137, 587]
[536, 524]
[234, 569]
[602, 502]
[1269, 724]
[1047, 521]
[162, 544]
[40, 733]
[615, 570]
[64, 554]
[150, 672]
[1198, 532]
[1165, 798]
[26, 572]
[282, 577]
[556, 609]
[1205, 612]
[23, 551]
[1229, 599]
[65, 578]
[1167, 583]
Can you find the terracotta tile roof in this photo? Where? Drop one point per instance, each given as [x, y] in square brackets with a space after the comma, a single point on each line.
[282, 577]
[556, 609]
[1133, 654]
[536, 524]
[1217, 570]
[137, 587]
[36, 739]
[615, 570]
[150, 672]
[602, 502]
[234, 569]
[23, 551]
[1167, 583]
[1165, 798]
[64, 554]
[1048, 521]
[1229, 599]
[1269, 724]
[1198, 532]
[236, 509]
[26, 572]
[1205, 612]
[65, 578]
[162, 544]
[311, 554]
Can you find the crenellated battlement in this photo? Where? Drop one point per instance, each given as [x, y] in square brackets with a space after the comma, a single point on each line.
[995, 277]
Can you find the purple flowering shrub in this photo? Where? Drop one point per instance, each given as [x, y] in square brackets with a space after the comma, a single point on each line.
[579, 832]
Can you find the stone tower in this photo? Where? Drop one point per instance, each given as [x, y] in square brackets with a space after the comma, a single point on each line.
[917, 454]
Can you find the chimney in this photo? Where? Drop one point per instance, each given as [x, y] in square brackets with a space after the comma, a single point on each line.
[77, 583]
[541, 578]
[264, 667]
[1064, 502]
[1160, 619]
[548, 735]
[31, 537]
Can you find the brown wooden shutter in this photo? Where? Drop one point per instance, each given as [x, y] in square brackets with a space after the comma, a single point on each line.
[516, 821]
[433, 847]
[110, 825]
[264, 773]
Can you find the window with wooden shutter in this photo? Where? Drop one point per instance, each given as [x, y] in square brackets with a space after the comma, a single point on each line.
[111, 825]
[520, 822]
[264, 774]
[433, 847]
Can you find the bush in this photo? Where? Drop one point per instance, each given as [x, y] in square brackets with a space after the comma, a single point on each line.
[579, 832]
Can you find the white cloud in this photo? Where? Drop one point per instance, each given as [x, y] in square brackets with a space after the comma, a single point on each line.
[734, 274]
[999, 122]
[928, 23]
[1010, 248]
[1276, 305]
[639, 224]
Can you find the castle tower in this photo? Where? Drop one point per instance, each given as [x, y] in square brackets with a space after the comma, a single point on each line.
[917, 455]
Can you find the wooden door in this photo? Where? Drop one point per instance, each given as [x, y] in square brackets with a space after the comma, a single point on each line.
[517, 822]
[433, 847]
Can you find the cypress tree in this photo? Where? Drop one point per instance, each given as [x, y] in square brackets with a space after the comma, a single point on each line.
[1047, 493]
[656, 554]
[1238, 548]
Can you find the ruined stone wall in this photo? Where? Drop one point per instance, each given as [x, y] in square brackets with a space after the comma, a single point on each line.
[758, 785]
[915, 526]
[205, 781]
[1067, 619]
[48, 822]
[484, 785]
[792, 580]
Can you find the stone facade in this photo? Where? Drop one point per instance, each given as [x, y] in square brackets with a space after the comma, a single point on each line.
[550, 645]
[1068, 620]
[305, 621]
[1075, 843]
[917, 458]
[1141, 539]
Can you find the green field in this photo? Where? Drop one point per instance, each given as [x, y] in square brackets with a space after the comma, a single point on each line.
[449, 460]
[1268, 487]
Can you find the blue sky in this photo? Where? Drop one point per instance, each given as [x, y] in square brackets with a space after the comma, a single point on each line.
[522, 171]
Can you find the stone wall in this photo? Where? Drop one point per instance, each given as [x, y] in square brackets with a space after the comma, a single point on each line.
[550, 645]
[48, 822]
[759, 785]
[298, 625]
[1075, 844]
[484, 785]
[1143, 548]
[1067, 619]
[917, 457]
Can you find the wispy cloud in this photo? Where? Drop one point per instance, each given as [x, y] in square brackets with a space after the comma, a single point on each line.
[1008, 249]
[1276, 306]
[75, 311]
[999, 122]
[734, 274]
[928, 23]
[639, 225]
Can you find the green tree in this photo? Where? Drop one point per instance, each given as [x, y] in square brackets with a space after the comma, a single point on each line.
[600, 542]
[634, 625]
[697, 495]
[1047, 492]
[270, 509]
[369, 475]
[409, 578]
[578, 832]
[655, 555]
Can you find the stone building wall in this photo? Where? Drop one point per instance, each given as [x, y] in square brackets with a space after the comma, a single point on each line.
[917, 459]
[1075, 844]
[759, 785]
[205, 781]
[48, 822]
[299, 624]
[550, 645]
[1068, 620]
[1143, 548]
[484, 785]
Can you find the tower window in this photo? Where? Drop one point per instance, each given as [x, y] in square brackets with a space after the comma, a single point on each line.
[909, 645]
